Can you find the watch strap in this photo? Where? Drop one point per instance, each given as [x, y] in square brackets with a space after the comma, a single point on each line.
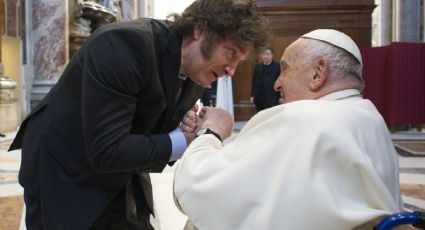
[209, 131]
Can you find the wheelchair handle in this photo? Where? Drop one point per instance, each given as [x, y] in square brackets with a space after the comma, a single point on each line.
[416, 219]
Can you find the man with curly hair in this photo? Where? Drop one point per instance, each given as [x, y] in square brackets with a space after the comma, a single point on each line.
[112, 118]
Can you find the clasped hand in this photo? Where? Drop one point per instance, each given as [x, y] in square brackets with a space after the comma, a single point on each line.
[216, 119]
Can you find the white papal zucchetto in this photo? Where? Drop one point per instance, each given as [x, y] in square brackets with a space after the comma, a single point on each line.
[337, 39]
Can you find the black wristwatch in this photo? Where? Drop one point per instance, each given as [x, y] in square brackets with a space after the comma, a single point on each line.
[208, 131]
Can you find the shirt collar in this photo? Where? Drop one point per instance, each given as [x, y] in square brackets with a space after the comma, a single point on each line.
[343, 94]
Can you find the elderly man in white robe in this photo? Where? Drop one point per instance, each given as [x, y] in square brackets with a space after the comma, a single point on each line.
[322, 160]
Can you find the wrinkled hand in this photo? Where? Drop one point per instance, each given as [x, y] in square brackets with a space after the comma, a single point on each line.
[189, 124]
[216, 119]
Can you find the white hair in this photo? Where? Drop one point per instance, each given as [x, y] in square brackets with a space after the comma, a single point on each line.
[341, 63]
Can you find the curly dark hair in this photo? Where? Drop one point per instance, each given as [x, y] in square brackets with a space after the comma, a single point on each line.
[238, 20]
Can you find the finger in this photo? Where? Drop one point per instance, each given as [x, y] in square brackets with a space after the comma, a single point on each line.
[189, 129]
[186, 119]
[201, 114]
[195, 108]
[185, 128]
[190, 120]
[189, 125]
[205, 108]
[191, 115]
[204, 111]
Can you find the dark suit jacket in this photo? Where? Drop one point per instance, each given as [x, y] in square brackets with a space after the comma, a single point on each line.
[106, 119]
[270, 97]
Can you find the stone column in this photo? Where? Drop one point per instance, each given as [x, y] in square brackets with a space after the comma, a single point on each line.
[149, 8]
[382, 23]
[376, 24]
[423, 20]
[387, 25]
[2, 18]
[141, 8]
[129, 10]
[407, 20]
[49, 44]
[145, 9]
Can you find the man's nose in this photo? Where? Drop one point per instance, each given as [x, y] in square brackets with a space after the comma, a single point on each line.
[230, 69]
[277, 86]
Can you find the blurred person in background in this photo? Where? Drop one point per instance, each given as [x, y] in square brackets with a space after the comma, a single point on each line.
[265, 75]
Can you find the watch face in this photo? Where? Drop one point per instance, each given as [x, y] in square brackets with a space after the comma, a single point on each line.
[201, 131]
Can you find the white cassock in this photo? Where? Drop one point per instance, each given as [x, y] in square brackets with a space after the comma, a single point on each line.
[311, 164]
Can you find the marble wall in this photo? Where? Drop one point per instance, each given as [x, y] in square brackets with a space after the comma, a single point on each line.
[407, 24]
[398, 21]
[50, 30]
[130, 10]
[49, 42]
[145, 8]
[382, 23]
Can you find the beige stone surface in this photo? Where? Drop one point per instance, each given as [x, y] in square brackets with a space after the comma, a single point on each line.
[9, 117]
[10, 212]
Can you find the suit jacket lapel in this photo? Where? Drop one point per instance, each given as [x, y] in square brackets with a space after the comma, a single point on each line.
[189, 95]
[172, 108]
[170, 69]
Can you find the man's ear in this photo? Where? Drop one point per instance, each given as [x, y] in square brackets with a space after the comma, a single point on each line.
[197, 33]
[320, 76]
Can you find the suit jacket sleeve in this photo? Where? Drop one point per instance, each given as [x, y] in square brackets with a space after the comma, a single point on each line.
[117, 66]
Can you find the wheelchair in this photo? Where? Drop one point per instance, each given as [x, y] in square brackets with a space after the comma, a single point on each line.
[416, 219]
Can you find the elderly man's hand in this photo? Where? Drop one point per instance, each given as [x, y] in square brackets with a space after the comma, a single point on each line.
[218, 120]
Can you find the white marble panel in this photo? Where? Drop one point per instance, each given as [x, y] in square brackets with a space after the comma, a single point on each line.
[129, 8]
[50, 38]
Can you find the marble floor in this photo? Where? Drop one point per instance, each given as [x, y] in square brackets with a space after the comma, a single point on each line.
[11, 200]
[410, 144]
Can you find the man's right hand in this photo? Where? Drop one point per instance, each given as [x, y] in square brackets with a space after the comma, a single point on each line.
[189, 124]
[189, 120]
[252, 100]
[218, 120]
